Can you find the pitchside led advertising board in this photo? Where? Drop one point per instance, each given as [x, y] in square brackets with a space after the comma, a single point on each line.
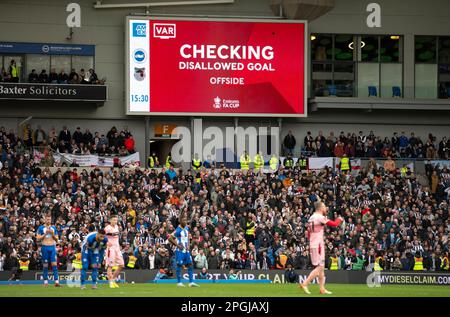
[219, 67]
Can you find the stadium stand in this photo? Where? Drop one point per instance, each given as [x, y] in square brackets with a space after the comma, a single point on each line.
[239, 219]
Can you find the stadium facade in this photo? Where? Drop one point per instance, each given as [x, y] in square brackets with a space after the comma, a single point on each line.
[404, 52]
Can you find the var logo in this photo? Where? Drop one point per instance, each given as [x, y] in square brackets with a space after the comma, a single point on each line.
[139, 30]
[139, 56]
[164, 30]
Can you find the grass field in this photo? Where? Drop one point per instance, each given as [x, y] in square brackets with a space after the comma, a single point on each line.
[208, 290]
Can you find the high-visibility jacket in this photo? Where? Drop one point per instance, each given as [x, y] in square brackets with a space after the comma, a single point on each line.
[418, 264]
[245, 162]
[76, 263]
[302, 163]
[196, 164]
[24, 265]
[289, 162]
[444, 263]
[283, 260]
[273, 163]
[259, 161]
[168, 161]
[377, 266]
[151, 161]
[14, 71]
[251, 228]
[403, 171]
[345, 164]
[358, 265]
[334, 264]
[131, 262]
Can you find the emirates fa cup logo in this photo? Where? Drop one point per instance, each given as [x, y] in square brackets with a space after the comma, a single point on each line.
[217, 103]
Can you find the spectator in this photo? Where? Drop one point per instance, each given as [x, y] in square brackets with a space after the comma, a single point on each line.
[78, 136]
[53, 77]
[84, 77]
[200, 260]
[64, 136]
[63, 78]
[389, 165]
[213, 260]
[289, 143]
[43, 77]
[129, 144]
[33, 77]
[93, 79]
[444, 148]
[73, 77]
[39, 136]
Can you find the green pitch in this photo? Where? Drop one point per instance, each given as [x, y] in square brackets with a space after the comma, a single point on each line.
[230, 290]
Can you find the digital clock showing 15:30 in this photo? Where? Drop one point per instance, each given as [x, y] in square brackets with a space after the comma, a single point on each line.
[139, 98]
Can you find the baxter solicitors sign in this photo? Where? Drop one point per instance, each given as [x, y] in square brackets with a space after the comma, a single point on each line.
[16, 91]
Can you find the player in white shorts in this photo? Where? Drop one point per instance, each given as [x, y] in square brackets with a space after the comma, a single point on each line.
[113, 253]
[316, 225]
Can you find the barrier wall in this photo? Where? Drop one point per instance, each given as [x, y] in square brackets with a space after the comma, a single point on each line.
[276, 276]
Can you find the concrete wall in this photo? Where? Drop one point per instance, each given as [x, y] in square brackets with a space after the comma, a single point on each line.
[44, 21]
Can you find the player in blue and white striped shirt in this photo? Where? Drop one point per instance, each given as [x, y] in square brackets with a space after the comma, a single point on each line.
[92, 252]
[180, 238]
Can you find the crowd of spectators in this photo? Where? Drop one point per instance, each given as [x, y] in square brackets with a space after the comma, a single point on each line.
[361, 145]
[89, 77]
[239, 220]
[79, 142]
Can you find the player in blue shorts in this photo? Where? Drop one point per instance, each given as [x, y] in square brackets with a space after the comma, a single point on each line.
[92, 251]
[48, 235]
[180, 238]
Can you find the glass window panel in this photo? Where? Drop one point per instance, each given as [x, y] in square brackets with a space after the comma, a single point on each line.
[369, 48]
[368, 75]
[426, 81]
[322, 71]
[321, 47]
[390, 50]
[391, 76]
[322, 88]
[38, 62]
[343, 45]
[59, 62]
[425, 48]
[444, 67]
[345, 88]
[344, 78]
[85, 62]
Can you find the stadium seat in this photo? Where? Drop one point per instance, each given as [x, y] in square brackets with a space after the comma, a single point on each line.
[373, 91]
[396, 91]
[448, 92]
[332, 90]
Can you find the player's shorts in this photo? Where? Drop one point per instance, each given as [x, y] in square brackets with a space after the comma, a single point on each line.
[183, 258]
[114, 257]
[89, 258]
[317, 255]
[48, 253]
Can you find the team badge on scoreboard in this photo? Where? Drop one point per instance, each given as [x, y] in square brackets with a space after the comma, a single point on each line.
[139, 73]
[139, 56]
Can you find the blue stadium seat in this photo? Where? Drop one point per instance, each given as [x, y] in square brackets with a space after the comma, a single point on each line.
[373, 91]
[448, 92]
[332, 90]
[396, 91]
